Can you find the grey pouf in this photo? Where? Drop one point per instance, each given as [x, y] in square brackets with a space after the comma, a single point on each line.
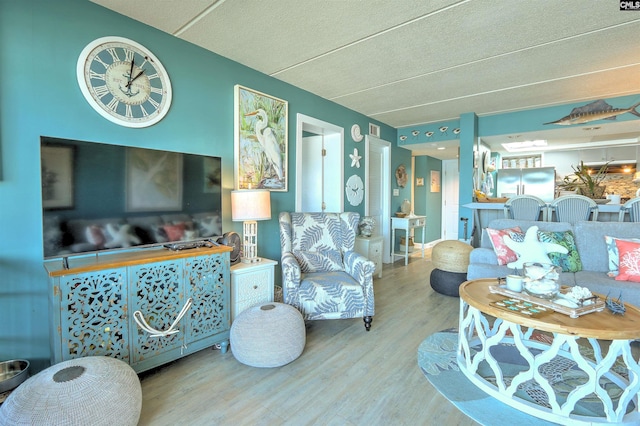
[94, 390]
[447, 283]
[268, 335]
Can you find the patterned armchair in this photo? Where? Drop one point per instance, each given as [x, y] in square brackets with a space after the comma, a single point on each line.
[321, 274]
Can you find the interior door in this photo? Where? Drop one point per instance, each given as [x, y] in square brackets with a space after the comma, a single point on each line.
[319, 183]
[378, 189]
[450, 201]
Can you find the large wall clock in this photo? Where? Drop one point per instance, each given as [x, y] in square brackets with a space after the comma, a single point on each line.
[354, 190]
[124, 82]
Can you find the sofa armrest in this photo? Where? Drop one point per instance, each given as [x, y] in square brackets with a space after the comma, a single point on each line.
[483, 255]
[362, 269]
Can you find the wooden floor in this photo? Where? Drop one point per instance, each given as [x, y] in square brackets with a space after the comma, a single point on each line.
[345, 376]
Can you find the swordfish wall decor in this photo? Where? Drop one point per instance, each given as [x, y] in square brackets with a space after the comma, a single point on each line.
[597, 110]
[261, 146]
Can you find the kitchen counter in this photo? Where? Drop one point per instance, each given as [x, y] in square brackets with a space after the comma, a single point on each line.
[483, 213]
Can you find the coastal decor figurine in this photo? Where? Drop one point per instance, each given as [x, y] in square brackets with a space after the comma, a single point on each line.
[531, 249]
[597, 110]
[366, 225]
[615, 306]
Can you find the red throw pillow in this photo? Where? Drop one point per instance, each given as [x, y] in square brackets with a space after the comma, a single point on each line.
[95, 236]
[629, 255]
[505, 254]
[174, 232]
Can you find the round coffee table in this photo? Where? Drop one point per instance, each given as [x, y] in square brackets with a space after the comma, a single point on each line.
[485, 329]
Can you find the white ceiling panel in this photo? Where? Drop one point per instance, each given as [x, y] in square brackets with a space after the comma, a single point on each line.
[413, 62]
[166, 15]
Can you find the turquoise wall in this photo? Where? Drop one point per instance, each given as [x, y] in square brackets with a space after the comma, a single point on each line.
[40, 41]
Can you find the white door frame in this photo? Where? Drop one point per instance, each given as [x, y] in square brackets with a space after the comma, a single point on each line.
[385, 227]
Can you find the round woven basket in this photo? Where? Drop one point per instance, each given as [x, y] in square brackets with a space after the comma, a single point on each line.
[451, 256]
[94, 390]
[268, 335]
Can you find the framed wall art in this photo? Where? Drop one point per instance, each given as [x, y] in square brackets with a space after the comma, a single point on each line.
[57, 177]
[154, 180]
[261, 140]
[419, 181]
[435, 181]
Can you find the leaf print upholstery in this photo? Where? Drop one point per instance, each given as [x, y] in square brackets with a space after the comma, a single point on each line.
[321, 274]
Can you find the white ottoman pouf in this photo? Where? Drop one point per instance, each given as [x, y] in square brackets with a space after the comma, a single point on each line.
[94, 390]
[268, 335]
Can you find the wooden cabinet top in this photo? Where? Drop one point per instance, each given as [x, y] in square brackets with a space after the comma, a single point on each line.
[98, 261]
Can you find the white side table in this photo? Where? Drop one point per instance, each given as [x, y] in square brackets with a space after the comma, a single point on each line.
[406, 224]
[251, 284]
[371, 248]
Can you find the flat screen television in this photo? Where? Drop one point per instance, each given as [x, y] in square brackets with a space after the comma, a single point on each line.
[98, 196]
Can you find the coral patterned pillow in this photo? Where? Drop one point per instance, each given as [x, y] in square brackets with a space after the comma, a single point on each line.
[629, 254]
[612, 252]
[505, 254]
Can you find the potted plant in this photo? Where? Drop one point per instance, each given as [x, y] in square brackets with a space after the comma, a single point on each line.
[586, 182]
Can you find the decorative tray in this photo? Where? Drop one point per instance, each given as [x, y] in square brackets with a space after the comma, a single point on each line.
[596, 306]
[492, 200]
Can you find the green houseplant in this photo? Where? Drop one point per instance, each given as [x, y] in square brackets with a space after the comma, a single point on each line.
[586, 182]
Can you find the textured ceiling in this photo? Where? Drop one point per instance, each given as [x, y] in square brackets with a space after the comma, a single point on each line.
[413, 62]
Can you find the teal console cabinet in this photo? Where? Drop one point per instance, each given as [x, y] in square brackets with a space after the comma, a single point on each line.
[146, 307]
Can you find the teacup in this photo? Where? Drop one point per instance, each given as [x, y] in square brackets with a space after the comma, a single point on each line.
[514, 283]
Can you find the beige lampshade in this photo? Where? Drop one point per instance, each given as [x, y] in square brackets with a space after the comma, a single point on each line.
[250, 204]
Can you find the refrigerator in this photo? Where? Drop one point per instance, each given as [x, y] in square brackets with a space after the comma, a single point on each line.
[540, 181]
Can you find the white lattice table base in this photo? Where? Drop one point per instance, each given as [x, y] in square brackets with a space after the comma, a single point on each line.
[477, 337]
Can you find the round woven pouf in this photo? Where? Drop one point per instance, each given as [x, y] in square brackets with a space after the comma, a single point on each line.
[268, 335]
[451, 256]
[94, 390]
[447, 283]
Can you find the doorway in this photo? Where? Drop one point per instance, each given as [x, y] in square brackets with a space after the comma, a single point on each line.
[377, 175]
[319, 147]
[450, 200]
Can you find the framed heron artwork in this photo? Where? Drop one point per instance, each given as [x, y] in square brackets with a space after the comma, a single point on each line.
[261, 140]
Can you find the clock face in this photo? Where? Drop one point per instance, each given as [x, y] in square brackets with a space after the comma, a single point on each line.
[355, 190]
[124, 82]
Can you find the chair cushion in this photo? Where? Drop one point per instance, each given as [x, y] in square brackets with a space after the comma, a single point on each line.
[316, 241]
[319, 261]
[331, 295]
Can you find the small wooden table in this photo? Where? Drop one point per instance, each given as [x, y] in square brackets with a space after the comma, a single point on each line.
[598, 328]
[407, 224]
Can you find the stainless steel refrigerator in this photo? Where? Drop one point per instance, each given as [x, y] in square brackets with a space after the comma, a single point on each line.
[539, 181]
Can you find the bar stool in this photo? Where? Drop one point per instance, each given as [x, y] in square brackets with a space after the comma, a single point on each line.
[525, 207]
[573, 208]
[633, 208]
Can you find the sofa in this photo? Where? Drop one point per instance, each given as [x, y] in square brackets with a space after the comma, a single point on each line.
[65, 237]
[591, 247]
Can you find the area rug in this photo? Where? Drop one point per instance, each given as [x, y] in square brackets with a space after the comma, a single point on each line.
[437, 360]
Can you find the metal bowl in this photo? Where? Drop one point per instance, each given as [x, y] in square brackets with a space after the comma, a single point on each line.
[12, 373]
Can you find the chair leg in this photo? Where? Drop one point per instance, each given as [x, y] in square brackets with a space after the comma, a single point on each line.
[367, 322]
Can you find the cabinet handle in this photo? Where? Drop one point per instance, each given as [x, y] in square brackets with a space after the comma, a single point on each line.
[142, 323]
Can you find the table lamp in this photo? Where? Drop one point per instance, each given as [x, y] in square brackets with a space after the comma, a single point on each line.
[248, 206]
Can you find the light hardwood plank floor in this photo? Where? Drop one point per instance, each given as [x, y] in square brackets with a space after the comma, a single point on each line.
[345, 376]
